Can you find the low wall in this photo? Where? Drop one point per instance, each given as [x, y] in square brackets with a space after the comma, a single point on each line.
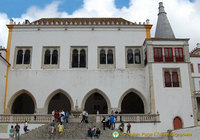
[5, 127]
[189, 133]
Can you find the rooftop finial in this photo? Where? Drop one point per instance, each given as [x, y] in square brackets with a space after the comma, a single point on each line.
[161, 8]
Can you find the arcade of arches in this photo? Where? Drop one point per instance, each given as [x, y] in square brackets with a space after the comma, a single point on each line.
[59, 102]
[23, 104]
[131, 104]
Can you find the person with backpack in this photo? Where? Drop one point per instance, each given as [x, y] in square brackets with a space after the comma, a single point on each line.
[11, 133]
[17, 131]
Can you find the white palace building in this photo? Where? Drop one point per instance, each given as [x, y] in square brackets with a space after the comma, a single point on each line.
[100, 65]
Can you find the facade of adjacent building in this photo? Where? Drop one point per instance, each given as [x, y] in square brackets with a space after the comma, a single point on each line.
[100, 65]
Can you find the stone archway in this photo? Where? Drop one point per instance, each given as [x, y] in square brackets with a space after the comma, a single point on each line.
[96, 100]
[132, 102]
[59, 100]
[22, 102]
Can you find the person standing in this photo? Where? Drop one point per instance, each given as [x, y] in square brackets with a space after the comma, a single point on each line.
[128, 128]
[112, 121]
[67, 116]
[11, 133]
[104, 122]
[17, 131]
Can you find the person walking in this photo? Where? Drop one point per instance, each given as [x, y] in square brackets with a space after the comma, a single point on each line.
[83, 116]
[128, 128]
[86, 117]
[60, 128]
[17, 131]
[26, 127]
[11, 133]
[52, 125]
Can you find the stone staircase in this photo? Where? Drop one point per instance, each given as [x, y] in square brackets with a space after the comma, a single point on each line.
[76, 130]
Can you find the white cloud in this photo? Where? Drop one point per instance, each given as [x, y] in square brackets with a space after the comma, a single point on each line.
[183, 15]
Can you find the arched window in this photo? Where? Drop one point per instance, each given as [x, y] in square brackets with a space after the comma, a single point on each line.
[47, 57]
[19, 57]
[130, 56]
[110, 57]
[82, 58]
[75, 58]
[102, 57]
[27, 57]
[137, 57]
[55, 57]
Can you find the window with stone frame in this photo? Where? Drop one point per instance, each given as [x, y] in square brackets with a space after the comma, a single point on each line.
[172, 78]
[133, 56]
[78, 57]
[106, 57]
[50, 57]
[23, 57]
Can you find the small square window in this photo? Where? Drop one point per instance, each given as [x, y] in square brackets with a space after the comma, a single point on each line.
[172, 78]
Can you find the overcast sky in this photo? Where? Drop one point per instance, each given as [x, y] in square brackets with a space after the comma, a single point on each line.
[184, 15]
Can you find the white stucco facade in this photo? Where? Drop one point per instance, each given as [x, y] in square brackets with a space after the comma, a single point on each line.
[3, 70]
[146, 80]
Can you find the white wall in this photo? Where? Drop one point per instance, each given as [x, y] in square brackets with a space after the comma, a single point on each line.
[77, 82]
[3, 69]
[173, 101]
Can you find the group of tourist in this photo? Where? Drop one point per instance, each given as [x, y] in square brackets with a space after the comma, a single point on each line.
[94, 132]
[110, 122]
[14, 132]
[59, 117]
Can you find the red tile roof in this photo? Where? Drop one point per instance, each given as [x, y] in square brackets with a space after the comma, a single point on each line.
[82, 21]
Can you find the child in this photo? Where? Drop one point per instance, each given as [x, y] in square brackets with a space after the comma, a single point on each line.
[60, 128]
[11, 133]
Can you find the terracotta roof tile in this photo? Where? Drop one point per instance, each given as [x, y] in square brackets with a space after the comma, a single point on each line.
[82, 21]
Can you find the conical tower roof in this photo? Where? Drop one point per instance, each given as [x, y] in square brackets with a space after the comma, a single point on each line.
[163, 28]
